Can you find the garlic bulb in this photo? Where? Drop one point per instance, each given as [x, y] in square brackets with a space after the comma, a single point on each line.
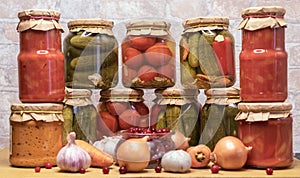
[176, 161]
[71, 157]
[108, 144]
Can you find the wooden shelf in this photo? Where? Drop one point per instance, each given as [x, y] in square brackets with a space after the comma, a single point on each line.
[7, 171]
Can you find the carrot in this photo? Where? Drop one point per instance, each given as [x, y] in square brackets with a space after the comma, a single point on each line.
[99, 157]
[200, 155]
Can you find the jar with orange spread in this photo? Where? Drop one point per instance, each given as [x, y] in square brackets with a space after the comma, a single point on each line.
[36, 134]
[267, 128]
[40, 61]
[263, 59]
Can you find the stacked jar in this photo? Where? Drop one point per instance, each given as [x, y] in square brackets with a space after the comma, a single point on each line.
[41, 91]
[207, 62]
[178, 109]
[80, 115]
[148, 55]
[91, 54]
[264, 114]
[218, 115]
[207, 53]
[122, 109]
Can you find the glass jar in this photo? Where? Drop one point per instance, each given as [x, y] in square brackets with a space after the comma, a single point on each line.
[122, 109]
[263, 59]
[36, 134]
[80, 115]
[148, 55]
[207, 53]
[267, 128]
[177, 109]
[91, 54]
[218, 114]
[40, 60]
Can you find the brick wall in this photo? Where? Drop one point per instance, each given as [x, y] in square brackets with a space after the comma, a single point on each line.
[174, 11]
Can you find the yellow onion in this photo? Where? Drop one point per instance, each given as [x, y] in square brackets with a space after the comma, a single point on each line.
[230, 153]
[134, 154]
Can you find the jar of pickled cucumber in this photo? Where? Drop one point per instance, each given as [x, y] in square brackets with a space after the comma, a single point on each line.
[80, 115]
[36, 134]
[40, 60]
[267, 128]
[122, 109]
[177, 109]
[207, 53]
[218, 114]
[148, 55]
[91, 54]
[263, 59]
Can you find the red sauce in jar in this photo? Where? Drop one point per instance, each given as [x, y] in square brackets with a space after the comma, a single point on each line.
[263, 59]
[271, 142]
[41, 65]
[263, 65]
[267, 128]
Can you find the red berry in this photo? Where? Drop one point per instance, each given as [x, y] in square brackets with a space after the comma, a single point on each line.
[105, 170]
[122, 170]
[157, 169]
[37, 169]
[81, 170]
[214, 169]
[48, 166]
[269, 171]
[153, 129]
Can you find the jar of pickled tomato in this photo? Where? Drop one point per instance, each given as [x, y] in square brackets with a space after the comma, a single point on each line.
[148, 55]
[218, 115]
[207, 53]
[91, 54]
[178, 110]
[36, 133]
[263, 59]
[40, 60]
[122, 109]
[267, 128]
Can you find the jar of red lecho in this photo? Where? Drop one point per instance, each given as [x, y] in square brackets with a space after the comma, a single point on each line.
[40, 61]
[267, 128]
[263, 59]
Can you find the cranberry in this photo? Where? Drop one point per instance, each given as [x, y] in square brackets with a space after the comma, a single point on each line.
[148, 131]
[165, 130]
[139, 130]
[157, 169]
[131, 130]
[153, 129]
[37, 169]
[269, 171]
[105, 170]
[48, 166]
[122, 170]
[214, 169]
[81, 170]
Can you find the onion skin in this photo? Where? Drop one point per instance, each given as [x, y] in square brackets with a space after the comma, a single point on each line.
[181, 142]
[230, 153]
